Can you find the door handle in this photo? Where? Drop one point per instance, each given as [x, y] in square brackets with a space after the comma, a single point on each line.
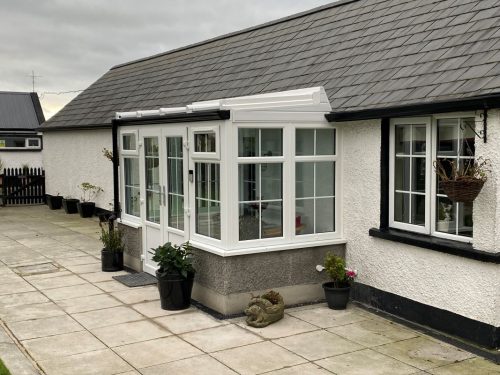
[164, 195]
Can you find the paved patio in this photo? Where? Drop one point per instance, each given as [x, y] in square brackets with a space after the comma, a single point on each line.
[62, 315]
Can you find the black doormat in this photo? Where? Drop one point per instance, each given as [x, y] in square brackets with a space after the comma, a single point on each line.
[136, 279]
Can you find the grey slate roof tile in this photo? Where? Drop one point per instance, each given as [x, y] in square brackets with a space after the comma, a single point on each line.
[366, 53]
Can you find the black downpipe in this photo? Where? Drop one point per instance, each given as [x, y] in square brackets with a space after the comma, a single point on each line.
[116, 165]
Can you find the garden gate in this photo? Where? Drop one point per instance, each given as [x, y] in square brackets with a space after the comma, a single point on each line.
[22, 186]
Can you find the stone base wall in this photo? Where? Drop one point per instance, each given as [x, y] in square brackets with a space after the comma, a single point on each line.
[132, 238]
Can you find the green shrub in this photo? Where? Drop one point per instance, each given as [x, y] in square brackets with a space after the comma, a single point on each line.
[335, 268]
[3, 369]
[174, 259]
[112, 239]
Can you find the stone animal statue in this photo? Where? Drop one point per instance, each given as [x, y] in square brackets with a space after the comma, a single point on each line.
[261, 311]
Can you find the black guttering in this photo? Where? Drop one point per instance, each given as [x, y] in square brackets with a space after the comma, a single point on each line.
[418, 109]
[176, 118]
[116, 165]
[44, 129]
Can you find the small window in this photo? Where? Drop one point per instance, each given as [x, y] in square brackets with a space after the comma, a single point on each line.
[19, 142]
[33, 143]
[129, 142]
[205, 143]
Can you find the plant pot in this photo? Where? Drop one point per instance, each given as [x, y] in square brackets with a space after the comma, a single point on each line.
[336, 298]
[86, 209]
[175, 291]
[54, 202]
[111, 261]
[70, 205]
[463, 190]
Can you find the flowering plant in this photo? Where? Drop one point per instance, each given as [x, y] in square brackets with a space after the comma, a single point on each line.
[335, 268]
[350, 274]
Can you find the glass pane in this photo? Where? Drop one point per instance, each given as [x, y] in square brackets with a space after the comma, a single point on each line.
[214, 220]
[202, 217]
[249, 221]
[418, 175]
[248, 182]
[248, 142]
[271, 142]
[445, 215]
[174, 147]
[152, 174]
[34, 142]
[468, 137]
[207, 189]
[446, 165]
[131, 167]
[132, 186]
[272, 219]
[402, 173]
[325, 215]
[418, 209]
[304, 180]
[419, 139]
[200, 142]
[325, 179]
[151, 145]
[304, 216]
[132, 201]
[402, 207]
[304, 142]
[201, 180]
[128, 141]
[447, 137]
[271, 185]
[153, 206]
[465, 222]
[176, 212]
[403, 139]
[325, 141]
[214, 182]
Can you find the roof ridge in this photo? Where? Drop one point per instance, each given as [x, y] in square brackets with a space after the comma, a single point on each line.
[334, 4]
[16, 92]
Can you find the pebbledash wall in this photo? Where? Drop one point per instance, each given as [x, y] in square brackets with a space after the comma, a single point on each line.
[73, 157]
[467, 287]
[16, 159]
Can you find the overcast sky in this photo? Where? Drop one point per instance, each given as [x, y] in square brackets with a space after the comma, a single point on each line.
[72, 43]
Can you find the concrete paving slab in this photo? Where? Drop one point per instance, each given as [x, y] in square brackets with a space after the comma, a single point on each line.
[318, 344]
[89, 303]
[190, 366]
[156, 352]
[366, 362]
[16, 286]
[26, 298]
[192, 321]
[152, 309]
[78, 260]
[111, 286]
[85, 268]
[99, 362]
[220, 338]
[57, 282]
[324, 317]
[58, 346]
[96, 277]
[15, 360]
[30, 329]
[258, 358]
[287, 326]
[307, 368]
[67, 292]
[32, 311]
[473, 366]
[107, 317]
[130, 333]
[138, 295]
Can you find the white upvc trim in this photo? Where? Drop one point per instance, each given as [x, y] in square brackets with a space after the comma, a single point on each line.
[204, 155]
[129, 223]
[120, 142]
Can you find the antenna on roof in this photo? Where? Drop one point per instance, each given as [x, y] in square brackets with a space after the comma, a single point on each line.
[33, 76]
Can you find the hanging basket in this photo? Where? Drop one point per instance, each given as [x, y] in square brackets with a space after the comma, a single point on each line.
[462, 190]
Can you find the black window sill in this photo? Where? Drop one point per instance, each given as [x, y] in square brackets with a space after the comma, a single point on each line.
[442, 245]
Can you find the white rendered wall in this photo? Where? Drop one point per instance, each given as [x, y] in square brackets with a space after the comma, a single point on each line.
[464, 286]
[16, 159]
[73, 157]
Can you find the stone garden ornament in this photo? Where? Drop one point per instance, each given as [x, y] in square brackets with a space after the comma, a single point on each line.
[265, 309]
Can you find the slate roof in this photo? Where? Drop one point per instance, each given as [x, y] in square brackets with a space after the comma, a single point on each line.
[20, 111]
[366, 53]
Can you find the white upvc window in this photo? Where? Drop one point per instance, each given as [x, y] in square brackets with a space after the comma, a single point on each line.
[129, 153]
[416, 203]
[206, 144]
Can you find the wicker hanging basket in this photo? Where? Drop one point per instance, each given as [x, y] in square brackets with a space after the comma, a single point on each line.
[462, 190]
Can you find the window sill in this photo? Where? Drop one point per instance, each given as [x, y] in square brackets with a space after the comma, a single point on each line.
[425, 241]
[130, 223]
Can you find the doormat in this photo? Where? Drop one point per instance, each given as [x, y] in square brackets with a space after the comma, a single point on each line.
[136, 279]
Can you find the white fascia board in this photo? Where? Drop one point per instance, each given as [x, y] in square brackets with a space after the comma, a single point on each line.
[172, 110]
[204, 106]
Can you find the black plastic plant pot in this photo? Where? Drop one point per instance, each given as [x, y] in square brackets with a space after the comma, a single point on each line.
[86, 209]
[336, 298]
[70, 205]
[175, 291]
[111, 261]
[54, 202]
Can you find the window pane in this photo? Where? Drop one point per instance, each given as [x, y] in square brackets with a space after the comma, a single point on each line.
[214, 221]
[419, 139]
[325, 215]
[465, 222]
[248, 182]
[151, 145]
[304, 216]
[176, 212]
[174, 147]
[33, 142]
[402, 173]
[447, 134]
[304, 142]
[152, 174]
[418, 175]
[325, 141]
[402, 207]
[202, 217]
[271, 142]
[325, 179]
[207, 187]
[445, 215]
[446, 165]
[304, 180]
[132, 186]
[152, 206]
[418, 209]
[132, 201]
[248, 142]
[403, 135]
[205, 142]
[468, 146]
[249, 221]
[128, 141]
[272, 219]
[271, 185]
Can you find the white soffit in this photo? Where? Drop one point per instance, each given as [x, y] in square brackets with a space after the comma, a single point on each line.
[309, 99]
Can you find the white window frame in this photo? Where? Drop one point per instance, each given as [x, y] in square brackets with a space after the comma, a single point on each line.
[37, 147]
[136, 136]
[204, 155]
[431, 179]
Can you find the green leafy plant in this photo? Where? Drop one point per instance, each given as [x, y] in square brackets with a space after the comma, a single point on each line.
[108, 154]
[335, 268]
[3, 370]
[447, 170]
[174, 259]
[89, 191]
[111, 237]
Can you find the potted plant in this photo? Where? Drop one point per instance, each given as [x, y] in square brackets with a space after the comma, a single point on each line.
[462, 184]
[175, 275]
[70, 205]
[337, 290]
[54, 201]
[265, 309]
[112, 252]
[86, 206]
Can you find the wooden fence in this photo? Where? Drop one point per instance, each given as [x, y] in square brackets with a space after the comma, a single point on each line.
[22, 186]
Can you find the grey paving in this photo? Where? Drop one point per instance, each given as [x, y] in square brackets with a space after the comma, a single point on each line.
[77, 320]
